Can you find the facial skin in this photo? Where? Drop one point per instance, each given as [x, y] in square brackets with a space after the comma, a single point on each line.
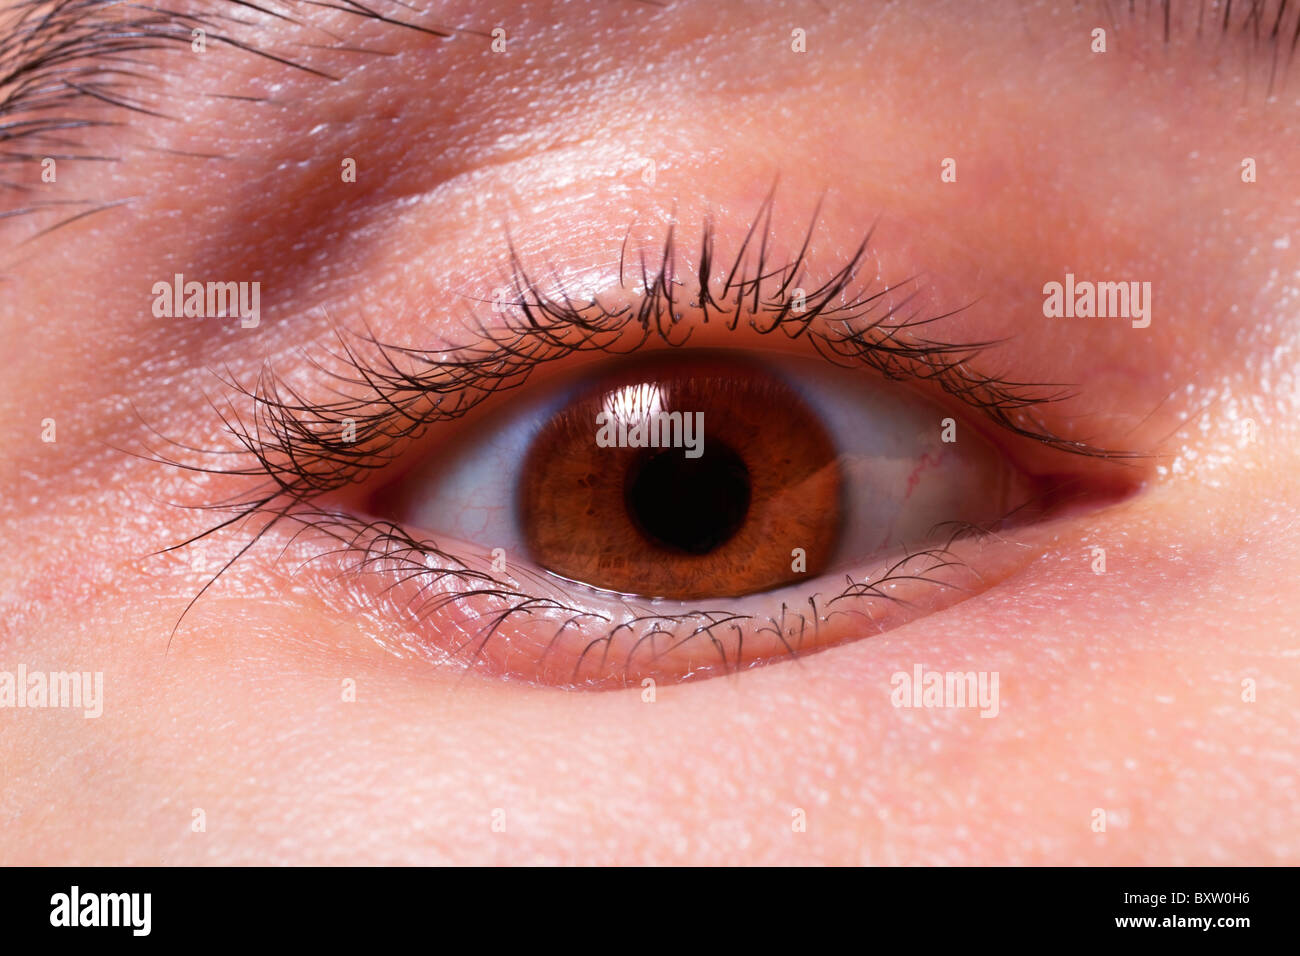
[1120, 691]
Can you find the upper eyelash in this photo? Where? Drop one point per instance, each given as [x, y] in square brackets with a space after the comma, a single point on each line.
[392, 394]
[400, 391]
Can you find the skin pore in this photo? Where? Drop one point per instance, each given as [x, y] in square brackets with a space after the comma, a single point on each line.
[1121, 691]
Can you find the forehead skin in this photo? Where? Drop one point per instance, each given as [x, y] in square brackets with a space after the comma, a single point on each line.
[1120, 691]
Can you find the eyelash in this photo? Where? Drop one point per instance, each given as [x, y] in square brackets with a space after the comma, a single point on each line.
[384, 548]
[392, 394]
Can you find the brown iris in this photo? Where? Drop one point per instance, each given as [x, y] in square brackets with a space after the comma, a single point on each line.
[682, 478]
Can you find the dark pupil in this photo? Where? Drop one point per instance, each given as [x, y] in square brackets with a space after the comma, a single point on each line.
[689, 504]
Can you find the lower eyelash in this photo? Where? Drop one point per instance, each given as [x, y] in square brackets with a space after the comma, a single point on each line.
[293, 444]
[620, 648]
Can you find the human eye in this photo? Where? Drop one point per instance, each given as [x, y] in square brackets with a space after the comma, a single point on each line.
[703, 464]
[364, 535]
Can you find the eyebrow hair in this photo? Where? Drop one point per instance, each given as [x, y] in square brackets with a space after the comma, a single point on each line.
[63, 61]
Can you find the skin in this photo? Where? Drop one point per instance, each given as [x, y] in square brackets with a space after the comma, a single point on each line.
[1120, 691]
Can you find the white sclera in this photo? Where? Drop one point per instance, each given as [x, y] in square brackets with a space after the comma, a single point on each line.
[901, 480]
[468, 491]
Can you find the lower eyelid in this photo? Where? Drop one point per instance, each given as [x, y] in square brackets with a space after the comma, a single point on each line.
[473, 611]
[519, 624]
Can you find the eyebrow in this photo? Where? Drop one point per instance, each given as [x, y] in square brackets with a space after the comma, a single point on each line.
[59, 51]
[59, 57]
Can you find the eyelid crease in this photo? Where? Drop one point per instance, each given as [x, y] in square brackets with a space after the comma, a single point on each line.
[388, 396]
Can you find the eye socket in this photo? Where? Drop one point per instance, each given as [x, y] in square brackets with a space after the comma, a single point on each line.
[709, 475]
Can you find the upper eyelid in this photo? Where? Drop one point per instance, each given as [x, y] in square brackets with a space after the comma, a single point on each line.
[392, 394]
